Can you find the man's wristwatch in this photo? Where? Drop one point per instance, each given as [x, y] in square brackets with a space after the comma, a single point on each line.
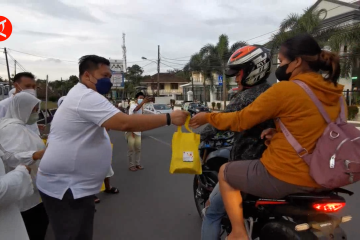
[168, 119]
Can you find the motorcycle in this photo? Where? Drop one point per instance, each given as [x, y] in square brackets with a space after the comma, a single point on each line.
[297, 216]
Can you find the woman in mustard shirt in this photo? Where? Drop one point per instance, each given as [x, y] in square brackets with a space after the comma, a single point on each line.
[280, 171]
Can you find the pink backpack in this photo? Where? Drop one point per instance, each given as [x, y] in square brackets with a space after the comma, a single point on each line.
[335, 161]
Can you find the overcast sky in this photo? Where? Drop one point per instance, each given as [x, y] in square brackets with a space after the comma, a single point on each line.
[68, 29]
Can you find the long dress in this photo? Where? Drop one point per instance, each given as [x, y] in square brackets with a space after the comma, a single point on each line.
[14, 186]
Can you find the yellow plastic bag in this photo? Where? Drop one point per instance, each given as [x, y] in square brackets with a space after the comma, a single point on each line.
[185, 154]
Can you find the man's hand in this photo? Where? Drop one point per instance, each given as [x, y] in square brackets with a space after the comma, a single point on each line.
[268, 134]
[28, 168]
[147, 100]
[38, 155]
[198, 120]
[178, 117]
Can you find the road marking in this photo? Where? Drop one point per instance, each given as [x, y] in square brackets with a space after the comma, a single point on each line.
[156, 139]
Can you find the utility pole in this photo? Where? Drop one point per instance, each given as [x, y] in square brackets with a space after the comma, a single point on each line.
[158, 75]
[224, 88]
[15, 66]
[46, 99]
[7, 65]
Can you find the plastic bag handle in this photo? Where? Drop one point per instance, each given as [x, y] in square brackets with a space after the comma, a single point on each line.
[186, 125]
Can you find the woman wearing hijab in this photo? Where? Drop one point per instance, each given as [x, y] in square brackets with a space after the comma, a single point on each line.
[14, 186]
[23, 146]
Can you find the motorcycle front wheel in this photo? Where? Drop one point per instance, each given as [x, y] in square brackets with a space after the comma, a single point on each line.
[198, 196]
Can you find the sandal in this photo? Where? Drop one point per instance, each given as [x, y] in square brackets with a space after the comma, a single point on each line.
[97, 200]
[112, 190]
[133, 169]
[139, 167]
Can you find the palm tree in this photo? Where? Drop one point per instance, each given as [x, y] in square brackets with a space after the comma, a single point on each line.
[217, 57]
[331, 35]
[308, 22]
[200, 63]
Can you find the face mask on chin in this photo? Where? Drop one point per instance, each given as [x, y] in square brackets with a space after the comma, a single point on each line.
[34, 117]
[30, 91]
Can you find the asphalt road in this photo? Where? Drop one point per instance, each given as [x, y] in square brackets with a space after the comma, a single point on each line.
[156, 205]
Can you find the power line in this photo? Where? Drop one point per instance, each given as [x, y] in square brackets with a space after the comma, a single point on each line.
[17, 62]
[147, 64]
[30, 54]
[279, 28]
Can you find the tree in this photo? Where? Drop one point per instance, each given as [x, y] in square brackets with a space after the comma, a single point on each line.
[217, 57]
[334, 36]
[134, 77]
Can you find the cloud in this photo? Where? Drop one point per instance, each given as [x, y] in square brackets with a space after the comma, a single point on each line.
[55, 8]
[49, 34]
[68, 29]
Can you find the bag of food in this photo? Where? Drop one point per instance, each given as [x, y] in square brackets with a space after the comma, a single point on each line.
[185, 154]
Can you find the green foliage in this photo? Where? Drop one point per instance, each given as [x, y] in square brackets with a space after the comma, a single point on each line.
[133, 77]
[213, 105]
[218, 105]
[53, 98]
[213, 59]
[352, 111]
[333, 36]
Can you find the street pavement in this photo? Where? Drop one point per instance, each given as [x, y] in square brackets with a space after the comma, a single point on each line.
[156, 205]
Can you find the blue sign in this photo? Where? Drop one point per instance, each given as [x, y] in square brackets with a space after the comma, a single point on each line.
[220, 80]
[122, 81]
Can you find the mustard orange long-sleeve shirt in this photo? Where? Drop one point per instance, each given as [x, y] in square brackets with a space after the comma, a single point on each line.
[289, 102]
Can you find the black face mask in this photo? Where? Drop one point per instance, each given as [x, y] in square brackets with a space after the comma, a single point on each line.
[281, 74]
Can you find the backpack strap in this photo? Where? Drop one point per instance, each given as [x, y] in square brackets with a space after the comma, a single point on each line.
[315, 100]
[301, 152]
[342, 116]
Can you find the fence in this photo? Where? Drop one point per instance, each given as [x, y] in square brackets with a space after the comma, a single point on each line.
[352, 97]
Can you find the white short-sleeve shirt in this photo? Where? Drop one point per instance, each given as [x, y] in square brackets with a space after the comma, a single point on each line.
[131, 111]
[78, 154]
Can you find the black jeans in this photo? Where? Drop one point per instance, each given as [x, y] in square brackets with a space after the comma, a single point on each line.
[70, 219]
[36, 222]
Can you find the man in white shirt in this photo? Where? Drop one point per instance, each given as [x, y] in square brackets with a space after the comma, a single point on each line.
[134, 138]
[78, 153]
[23, 82]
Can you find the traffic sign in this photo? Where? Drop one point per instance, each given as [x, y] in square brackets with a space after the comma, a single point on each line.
[220, 80]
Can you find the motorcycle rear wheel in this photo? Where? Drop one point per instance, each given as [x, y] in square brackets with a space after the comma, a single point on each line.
[283, 230]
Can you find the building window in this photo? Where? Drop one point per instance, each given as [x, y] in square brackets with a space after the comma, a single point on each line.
[174, 86]
[345, 49]
[162, 86]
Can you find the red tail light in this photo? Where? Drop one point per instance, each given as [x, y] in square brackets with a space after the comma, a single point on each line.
[329, 207]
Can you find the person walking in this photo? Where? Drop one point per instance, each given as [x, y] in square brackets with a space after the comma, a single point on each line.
[134, 138]
[78, 155]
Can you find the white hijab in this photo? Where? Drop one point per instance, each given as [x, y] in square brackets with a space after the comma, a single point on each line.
[15, 136]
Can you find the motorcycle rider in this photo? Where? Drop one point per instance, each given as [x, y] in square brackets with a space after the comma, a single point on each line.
[251, 67]
[281, 170]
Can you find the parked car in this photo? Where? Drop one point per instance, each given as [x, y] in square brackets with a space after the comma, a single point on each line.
[157, 108]
[185, 106]
[195, 108]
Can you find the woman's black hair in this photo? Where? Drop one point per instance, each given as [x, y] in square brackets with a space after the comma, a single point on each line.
[306, 47]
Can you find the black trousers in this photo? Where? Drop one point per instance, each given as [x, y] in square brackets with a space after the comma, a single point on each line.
[70, 219]
[36, 222]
